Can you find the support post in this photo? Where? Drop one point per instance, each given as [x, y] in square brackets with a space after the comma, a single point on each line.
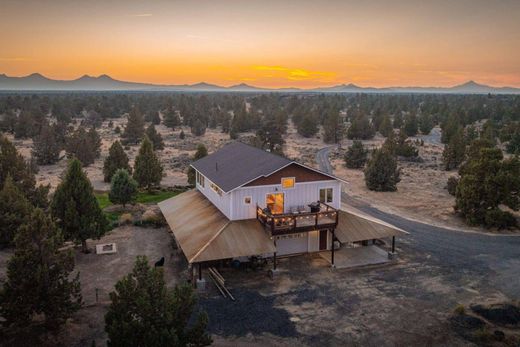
[332, 249]
[393, 244]
[200, 271]
[274, 261]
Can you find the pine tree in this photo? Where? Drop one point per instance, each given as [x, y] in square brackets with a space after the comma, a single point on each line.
[155, 137]
[198, 128]
[171, 119]
[308, 126]
[333, 129]
[153, 117]
[454, 151]
[24, 126]
[398, 121]
[360, 129]
[147, 169]
[95, 141]
[39, 277]
[356, 156]
[425, 123]
[513, 146]
[381, 173]
[201, 152]
[410, 124]
[134, 130]
[14, 210]
[123, 188]
[76, 208]
[117, 159]
[46, 148]
[144, 312]
[385, 128]
[83, 145]
[12, 163]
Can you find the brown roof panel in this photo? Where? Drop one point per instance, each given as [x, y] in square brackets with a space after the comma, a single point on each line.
[204, 233]
[354, 227]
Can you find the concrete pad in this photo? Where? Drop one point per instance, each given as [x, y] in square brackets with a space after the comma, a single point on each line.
[345, 257]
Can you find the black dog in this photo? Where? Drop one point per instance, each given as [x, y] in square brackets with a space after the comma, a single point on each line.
[160, 262]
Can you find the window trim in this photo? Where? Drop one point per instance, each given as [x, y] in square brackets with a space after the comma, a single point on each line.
[326, 195]
[288, 178]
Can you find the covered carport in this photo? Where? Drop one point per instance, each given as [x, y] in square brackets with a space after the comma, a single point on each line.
[204, 234]
[354, 228]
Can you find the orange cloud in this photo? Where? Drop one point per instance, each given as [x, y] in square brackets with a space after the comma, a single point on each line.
[296, 74]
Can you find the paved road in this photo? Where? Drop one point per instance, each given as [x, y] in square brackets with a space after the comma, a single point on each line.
[492, 258]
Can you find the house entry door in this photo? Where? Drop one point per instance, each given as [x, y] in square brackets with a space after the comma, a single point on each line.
[323, 239]
[275, 203]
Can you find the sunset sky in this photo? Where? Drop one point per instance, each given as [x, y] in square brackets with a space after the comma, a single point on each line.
[265, 43]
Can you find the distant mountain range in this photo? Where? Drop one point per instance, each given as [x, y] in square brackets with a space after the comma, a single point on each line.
[38, 82]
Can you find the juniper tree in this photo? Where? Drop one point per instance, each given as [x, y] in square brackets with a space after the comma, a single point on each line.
[171, 119]
[198, 128]
[385, 128]
[116, 159]
[155, 137]
[134, 130]
[76, 208]
[39, 280]
[488, 182]
[360, 129]
[14, 210]
[123, 188]
[454, 152]
[425, 123]
[356, 156]
[308, 126]
[182, 136]
[513, 146]
[83, 145]
[13, 163]
[398, 121]
[381, 172]
[410, 124]
[145, 312]
[147, 169]
[46, 148]
[153, 117]
[333, 129]
[201, 152]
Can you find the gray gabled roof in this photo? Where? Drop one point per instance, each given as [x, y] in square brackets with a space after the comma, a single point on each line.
[236, 164]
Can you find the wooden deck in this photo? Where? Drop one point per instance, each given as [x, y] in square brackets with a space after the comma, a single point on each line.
[345, 258]
[277, 224]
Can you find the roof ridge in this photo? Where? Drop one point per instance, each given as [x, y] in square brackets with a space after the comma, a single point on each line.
[203, 248]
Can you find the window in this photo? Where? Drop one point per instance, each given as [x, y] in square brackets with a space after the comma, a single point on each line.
[247, 200]
[326, 195]
[288, 182]
[216, 189]
[200, 179]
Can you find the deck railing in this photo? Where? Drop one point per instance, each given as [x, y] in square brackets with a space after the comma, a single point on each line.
[286, 223]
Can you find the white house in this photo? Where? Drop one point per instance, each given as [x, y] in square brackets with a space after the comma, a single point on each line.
[250, 202]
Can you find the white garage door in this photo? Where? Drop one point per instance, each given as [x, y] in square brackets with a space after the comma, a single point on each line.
[291, 244]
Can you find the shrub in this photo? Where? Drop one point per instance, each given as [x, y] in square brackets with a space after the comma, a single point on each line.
[499, 219]
[452, 185]
[460, 309]
[126, 218]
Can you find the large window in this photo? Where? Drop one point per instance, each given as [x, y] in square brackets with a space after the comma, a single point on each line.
[288, 182]
[326, 195]
[200, 179]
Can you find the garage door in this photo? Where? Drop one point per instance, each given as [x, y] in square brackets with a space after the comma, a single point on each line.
[291, 244]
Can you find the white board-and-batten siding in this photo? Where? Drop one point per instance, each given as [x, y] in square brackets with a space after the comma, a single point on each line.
[222, 202]
[303, 193]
